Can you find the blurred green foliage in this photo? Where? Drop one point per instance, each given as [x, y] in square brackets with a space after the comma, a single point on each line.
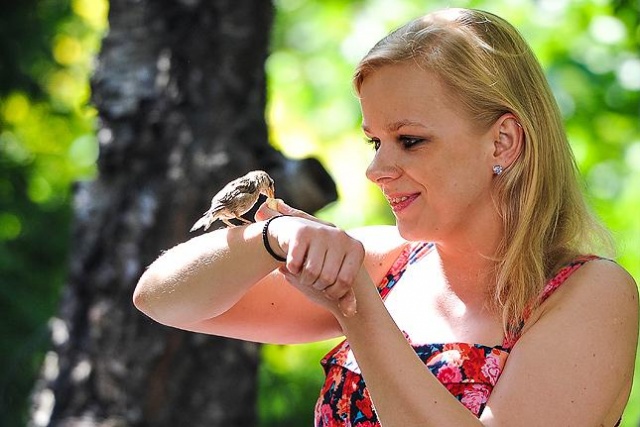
[47, 141]
[590, 49]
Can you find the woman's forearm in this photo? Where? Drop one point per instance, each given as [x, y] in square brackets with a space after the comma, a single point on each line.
[204, 276]
[403, 390]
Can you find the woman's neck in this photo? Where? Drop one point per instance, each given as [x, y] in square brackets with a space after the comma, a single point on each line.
[469, 272]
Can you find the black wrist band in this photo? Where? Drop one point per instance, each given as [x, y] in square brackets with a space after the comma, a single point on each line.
[265, 239]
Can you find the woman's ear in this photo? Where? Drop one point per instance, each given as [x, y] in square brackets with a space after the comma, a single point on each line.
[508, 140]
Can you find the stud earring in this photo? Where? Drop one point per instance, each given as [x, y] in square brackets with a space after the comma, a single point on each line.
[497, 169]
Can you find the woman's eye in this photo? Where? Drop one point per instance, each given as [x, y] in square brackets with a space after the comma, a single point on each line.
[410, 141]
[374, 142]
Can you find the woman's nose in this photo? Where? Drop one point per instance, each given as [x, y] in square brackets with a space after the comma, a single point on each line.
[383, 166]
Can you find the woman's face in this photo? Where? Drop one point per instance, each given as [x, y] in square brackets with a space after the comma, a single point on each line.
[433, 164]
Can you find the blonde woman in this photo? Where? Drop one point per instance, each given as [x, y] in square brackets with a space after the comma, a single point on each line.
[488, 303]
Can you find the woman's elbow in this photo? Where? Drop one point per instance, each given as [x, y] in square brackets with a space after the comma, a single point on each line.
[143, 295]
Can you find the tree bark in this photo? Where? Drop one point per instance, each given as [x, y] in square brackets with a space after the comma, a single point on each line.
[180, 90]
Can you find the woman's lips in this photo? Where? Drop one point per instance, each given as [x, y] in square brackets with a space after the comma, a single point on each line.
[401, 202]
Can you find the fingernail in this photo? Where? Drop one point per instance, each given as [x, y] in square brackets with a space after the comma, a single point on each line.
[349, 308]
[349, 311]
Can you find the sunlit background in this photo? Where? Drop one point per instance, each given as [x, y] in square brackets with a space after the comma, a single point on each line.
[589, 48]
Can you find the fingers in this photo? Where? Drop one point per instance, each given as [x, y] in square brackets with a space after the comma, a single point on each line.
[279, 207]
[313, 268]
[342, 289]
[324, 267]
[339, 275]
[266, 211]
[324, 257]
[328, 276]
[345, 305]
[348, 305]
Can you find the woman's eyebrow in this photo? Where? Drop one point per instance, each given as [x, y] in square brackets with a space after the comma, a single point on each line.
[395, 126]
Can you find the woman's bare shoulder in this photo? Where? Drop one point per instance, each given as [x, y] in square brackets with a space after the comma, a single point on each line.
[603, 281]
[598, 288]
[583, 342]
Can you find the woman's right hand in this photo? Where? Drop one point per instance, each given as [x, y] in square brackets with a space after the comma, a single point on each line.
[322, 261]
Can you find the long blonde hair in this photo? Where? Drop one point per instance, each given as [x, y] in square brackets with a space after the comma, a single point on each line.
[489, 68]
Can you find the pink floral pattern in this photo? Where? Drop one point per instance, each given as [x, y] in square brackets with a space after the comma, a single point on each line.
[468, 371]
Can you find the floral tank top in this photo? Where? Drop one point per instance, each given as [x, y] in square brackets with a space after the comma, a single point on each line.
[468, 371]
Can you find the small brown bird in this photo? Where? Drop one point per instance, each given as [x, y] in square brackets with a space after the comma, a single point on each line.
[236, 198]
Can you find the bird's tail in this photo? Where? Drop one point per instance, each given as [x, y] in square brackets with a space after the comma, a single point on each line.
[205, 222]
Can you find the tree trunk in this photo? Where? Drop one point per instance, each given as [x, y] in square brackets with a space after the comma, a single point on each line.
[180, 90]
